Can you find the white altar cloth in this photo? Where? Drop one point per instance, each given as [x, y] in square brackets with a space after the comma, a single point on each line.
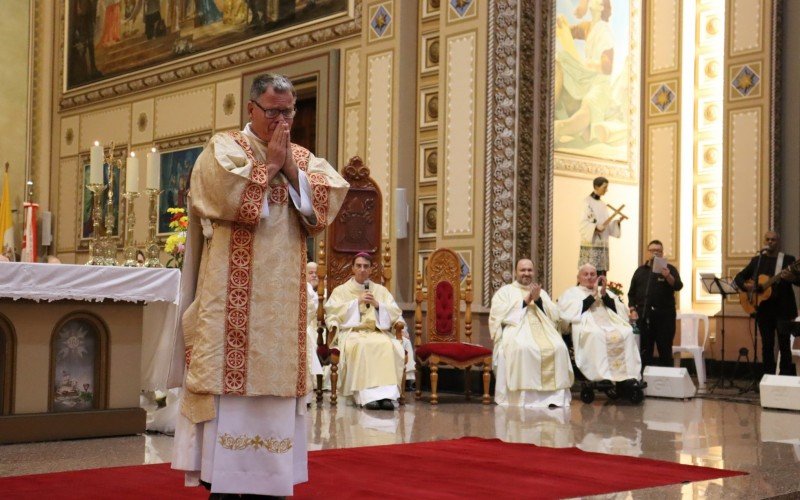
[158, 288]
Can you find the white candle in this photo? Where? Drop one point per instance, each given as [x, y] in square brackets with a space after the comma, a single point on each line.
[132, 174]
[96, 164]
[153, 169]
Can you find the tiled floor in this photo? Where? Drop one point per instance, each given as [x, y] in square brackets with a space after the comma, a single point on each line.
[728, 432]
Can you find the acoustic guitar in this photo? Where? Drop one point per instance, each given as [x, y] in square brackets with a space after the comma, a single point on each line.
[751, 299]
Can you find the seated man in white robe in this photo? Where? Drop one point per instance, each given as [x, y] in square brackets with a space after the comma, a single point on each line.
[605, 347]
[312, 280]
[371, 360]
[411, 365]
[532, 362]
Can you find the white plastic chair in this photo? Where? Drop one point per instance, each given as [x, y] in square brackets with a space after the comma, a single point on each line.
[690, 342]
[795, 351]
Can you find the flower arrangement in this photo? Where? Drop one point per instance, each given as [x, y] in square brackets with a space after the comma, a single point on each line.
[616, 288]
[175, 245]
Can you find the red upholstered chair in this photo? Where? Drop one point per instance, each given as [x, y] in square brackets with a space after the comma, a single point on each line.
[444, 346]
[357, 228]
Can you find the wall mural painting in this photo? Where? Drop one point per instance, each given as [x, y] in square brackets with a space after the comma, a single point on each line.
[592, 79]
[175, 169]
[106, 38]
[75, 367]
[86, 206]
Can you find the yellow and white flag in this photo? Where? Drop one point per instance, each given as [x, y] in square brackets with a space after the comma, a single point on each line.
[6, 222]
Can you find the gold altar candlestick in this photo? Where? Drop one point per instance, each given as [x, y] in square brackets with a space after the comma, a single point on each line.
[130, 249]
[95, 256]
[152, 248]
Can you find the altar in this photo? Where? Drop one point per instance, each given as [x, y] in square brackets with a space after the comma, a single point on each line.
[78, 344]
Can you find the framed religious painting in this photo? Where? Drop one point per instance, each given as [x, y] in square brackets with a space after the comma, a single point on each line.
[113, 38]
[596, 89]
[176, 167]
[114, 218]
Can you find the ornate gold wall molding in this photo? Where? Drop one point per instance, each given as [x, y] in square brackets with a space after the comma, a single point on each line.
[41, 108]
[380, 68]
[67, 214]
[182, 113]
[142, 113]
[751, 197]
[111, 124]
[70, 131]
[661, 145]
[352, 69]
[459, 146]
[513, 105]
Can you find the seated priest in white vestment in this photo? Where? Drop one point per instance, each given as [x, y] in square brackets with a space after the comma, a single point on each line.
[531, 360]
[411, 365]
[312, 280]
[371, 360]
[605, 347]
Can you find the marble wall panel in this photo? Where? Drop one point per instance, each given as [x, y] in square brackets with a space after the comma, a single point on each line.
[379, 127]
[113, 124]
[184, 112]
[459, 135]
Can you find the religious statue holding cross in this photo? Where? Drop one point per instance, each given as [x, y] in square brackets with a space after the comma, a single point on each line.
[597, 225]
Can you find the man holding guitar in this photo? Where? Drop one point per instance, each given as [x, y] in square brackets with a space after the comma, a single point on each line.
[767, 293]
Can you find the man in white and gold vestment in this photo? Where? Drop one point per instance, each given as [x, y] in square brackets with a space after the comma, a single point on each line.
[254, 198]
[532, 362]
[604, 343]
[371, 360]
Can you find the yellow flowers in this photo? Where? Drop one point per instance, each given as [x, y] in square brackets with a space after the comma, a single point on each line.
[176, 242]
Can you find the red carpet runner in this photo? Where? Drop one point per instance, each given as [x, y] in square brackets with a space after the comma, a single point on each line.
[458, 468]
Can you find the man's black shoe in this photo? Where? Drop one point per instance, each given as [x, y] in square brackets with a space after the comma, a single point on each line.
[386, 404]
[373, 405]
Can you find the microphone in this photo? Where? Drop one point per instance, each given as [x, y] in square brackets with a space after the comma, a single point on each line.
[366, 289]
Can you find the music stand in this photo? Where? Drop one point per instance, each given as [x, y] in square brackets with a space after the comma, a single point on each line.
[722, 287]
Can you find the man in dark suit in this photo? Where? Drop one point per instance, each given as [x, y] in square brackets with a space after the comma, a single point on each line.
[780, 307]
[652, 295]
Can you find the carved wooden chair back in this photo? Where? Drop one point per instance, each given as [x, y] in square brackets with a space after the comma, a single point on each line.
[443, 298]
[357, 228]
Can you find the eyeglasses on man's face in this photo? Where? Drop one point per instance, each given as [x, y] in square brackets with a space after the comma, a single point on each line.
[656, 250]
[273, 113]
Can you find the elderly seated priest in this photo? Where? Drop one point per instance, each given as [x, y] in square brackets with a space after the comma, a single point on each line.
[312, 280]
[605, 347]
[371, 360]
[532, 362]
